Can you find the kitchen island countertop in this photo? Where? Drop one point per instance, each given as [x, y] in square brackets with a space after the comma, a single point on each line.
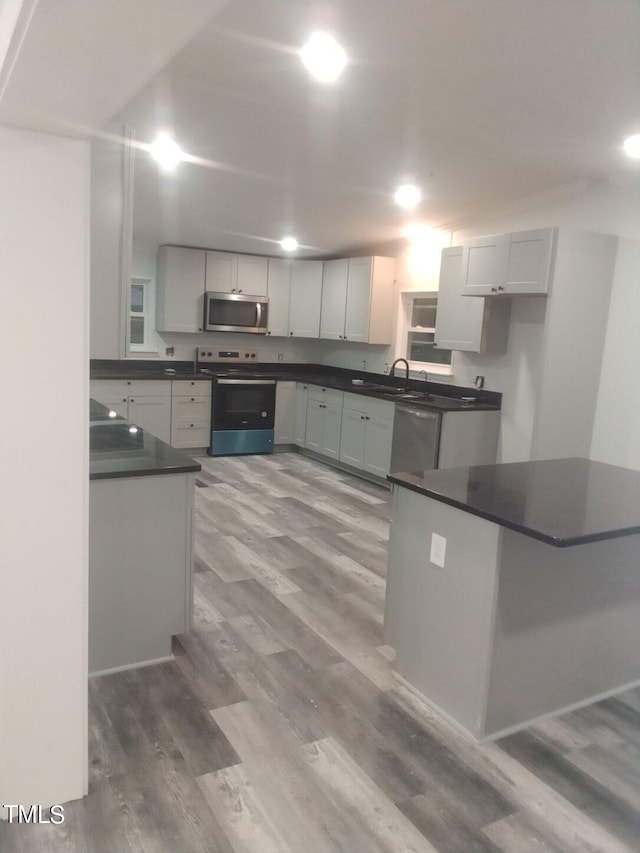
[118, 448]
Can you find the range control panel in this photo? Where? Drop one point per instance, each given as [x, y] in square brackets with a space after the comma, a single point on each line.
[206, 355]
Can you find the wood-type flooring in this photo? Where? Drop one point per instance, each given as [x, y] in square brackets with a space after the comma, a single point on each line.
[279, 728]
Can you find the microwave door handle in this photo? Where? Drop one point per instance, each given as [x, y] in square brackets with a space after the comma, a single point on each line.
[258, 315]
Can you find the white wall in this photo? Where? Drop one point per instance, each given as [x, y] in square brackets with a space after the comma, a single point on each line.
[108, 205]
[603, 207]
[44, 214]
[616, 431]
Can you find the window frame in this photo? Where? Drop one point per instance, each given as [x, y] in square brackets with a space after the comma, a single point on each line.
[146, 314]
[404, 328]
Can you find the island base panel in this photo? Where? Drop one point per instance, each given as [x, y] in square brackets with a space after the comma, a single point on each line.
[140, 568]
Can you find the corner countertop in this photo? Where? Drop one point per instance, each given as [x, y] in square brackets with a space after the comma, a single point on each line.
[118, 449]
[561, 502]
[434, 396]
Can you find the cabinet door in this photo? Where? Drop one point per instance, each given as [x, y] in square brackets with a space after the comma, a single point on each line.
[190, 409]
[302, 399]
[252, 275]
[221, 272]
[119, 405]
[331, 431]
[180, 278]
[334, 299]
[483, 265]
[377, 446]
[459, 319]
[358, 300]
[528, 261]
[285, 418]
[152, 414]
[278, 289]
[313, 438]
[352, 437]
[306, 297]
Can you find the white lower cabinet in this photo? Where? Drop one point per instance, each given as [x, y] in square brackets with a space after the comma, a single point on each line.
[324, 421]
[367, 430]
[285, 420]
[190, 413]
[152, 414]
[144, 402]
[302, 401]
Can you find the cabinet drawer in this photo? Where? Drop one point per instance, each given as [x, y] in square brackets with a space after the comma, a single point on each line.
[190, 434]
[383, 409]
[325, 395]
[189, 387]
[130, 387]
[190, 409]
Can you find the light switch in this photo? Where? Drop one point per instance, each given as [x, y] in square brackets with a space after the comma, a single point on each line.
[438, 547]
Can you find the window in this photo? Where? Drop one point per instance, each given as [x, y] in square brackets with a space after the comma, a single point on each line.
[415, 338]
[139, 329]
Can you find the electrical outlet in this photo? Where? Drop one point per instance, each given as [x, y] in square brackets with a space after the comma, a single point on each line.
[479, 383]
[364, 363]
[438, 548]
[280, 356]
[386, 367]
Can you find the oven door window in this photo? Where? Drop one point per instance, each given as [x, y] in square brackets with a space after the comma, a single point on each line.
[244, 406]
[228, 312]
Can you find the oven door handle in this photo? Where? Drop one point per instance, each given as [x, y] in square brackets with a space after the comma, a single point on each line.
[245, 381]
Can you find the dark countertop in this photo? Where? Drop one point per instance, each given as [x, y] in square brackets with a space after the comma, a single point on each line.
[562, 502]
[428, 395]
[119, 449]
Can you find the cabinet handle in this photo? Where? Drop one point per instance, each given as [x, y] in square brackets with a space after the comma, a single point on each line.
[240, 291]
[128, 383]
[193, 399]
[199, 330]
[131, 400]
[361, 417]
[290, 333]
[367, 418]
[494, 289]
[500, 287]
[345, 338]
[124, 399]
[268, 333]
[191, 425]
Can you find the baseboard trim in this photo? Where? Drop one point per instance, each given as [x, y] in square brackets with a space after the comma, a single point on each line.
[130, 666]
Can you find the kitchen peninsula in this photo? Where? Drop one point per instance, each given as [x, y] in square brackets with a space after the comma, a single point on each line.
[513, 590]
[140, 543]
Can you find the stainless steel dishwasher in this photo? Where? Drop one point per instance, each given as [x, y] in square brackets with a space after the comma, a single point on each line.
[416, 439]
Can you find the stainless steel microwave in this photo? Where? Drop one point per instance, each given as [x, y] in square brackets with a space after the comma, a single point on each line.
[235, 312]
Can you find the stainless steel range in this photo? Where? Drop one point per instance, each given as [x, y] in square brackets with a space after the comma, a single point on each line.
[243, 404]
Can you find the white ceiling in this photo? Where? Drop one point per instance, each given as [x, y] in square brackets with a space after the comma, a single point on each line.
[67, 65]
[480, 102]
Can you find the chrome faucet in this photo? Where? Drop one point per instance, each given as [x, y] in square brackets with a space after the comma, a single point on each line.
[426, 375]
[392, 372]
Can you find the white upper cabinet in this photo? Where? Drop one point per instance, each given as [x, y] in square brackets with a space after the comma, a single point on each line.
[221, 272]
[360, 299]
[334, 299]
[180, 277]
[278, 291]
[528, 261]
[483, 264]
[231, 273]
[463, 324]
[305, 299]
[251, 275]
[508, 264]
[357, 300]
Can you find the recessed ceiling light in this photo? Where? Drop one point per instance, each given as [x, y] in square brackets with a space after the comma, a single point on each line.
[632, 145]
[407, 196]
[323, 57]
[289, 244]
[166, 152]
